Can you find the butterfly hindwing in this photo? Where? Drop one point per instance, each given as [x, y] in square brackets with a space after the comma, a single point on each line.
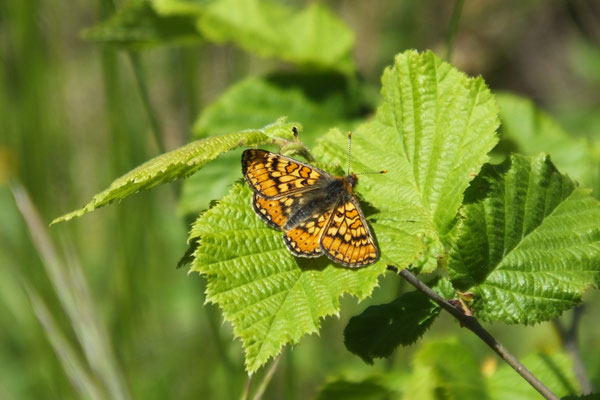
[304, 239]
[273, 175]
[347, 239]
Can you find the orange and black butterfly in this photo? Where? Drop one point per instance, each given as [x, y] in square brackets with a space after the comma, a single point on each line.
[317, 211]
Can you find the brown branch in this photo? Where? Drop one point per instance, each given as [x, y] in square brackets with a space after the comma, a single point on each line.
[568, 338]
[472, 324]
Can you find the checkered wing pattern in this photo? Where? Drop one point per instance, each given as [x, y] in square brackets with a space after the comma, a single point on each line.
[347, 239]
[317, 211]
[274, 176]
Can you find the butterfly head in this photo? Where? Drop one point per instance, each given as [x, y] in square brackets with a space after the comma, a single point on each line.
[352, 180]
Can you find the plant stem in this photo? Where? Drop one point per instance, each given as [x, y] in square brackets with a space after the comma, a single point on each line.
[246, 388]
[456, 13]
[141, 84]
[474, 326]
[568, 338]
[267, 378]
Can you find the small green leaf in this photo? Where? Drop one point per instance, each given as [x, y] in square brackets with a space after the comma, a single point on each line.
[312, 37]
[271, 297]
[555, 371]
[451, 369]
[136, 24]
[529, 244]
[534, 131]
[432, 133]
[367, 389]
[179, 163]
[181, 7]
[591, 396]
[380, 329]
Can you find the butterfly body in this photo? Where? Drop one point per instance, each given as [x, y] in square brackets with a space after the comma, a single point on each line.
[317, 211]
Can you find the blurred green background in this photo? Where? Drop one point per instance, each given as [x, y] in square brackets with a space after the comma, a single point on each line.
[97, 303]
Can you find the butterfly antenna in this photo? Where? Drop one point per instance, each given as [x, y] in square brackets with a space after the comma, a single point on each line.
[349, 146]
[383, 171]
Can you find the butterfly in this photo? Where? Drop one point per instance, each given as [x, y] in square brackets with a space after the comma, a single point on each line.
[317, 211]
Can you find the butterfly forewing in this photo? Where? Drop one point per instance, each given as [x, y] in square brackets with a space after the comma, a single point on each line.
[347, 239]
[273, 175]
[276, 212]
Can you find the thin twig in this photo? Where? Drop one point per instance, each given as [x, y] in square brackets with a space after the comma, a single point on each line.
[246, 388]
[474, 326]
[456, 13]
[143, 88]
[267, 378]
[568, 338]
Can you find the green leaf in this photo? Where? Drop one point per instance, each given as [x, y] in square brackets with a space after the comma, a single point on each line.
[181, 7]
[136, 25]
[432, 133]
[368, 389]
[447, 369]
[312, 37]
[529, 244]
[211, 182]
[533, 131]
[555, 371]
[179, 163]
[271, 297]
[380, 329]
[319, 100]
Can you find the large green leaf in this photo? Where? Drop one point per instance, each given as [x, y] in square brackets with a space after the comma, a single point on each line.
[180, 163]
[271, 297]
[529, 244]
[310, 37]
[432, 133]
[532, 131]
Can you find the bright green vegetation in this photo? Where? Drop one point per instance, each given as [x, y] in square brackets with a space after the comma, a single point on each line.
[486, 194]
